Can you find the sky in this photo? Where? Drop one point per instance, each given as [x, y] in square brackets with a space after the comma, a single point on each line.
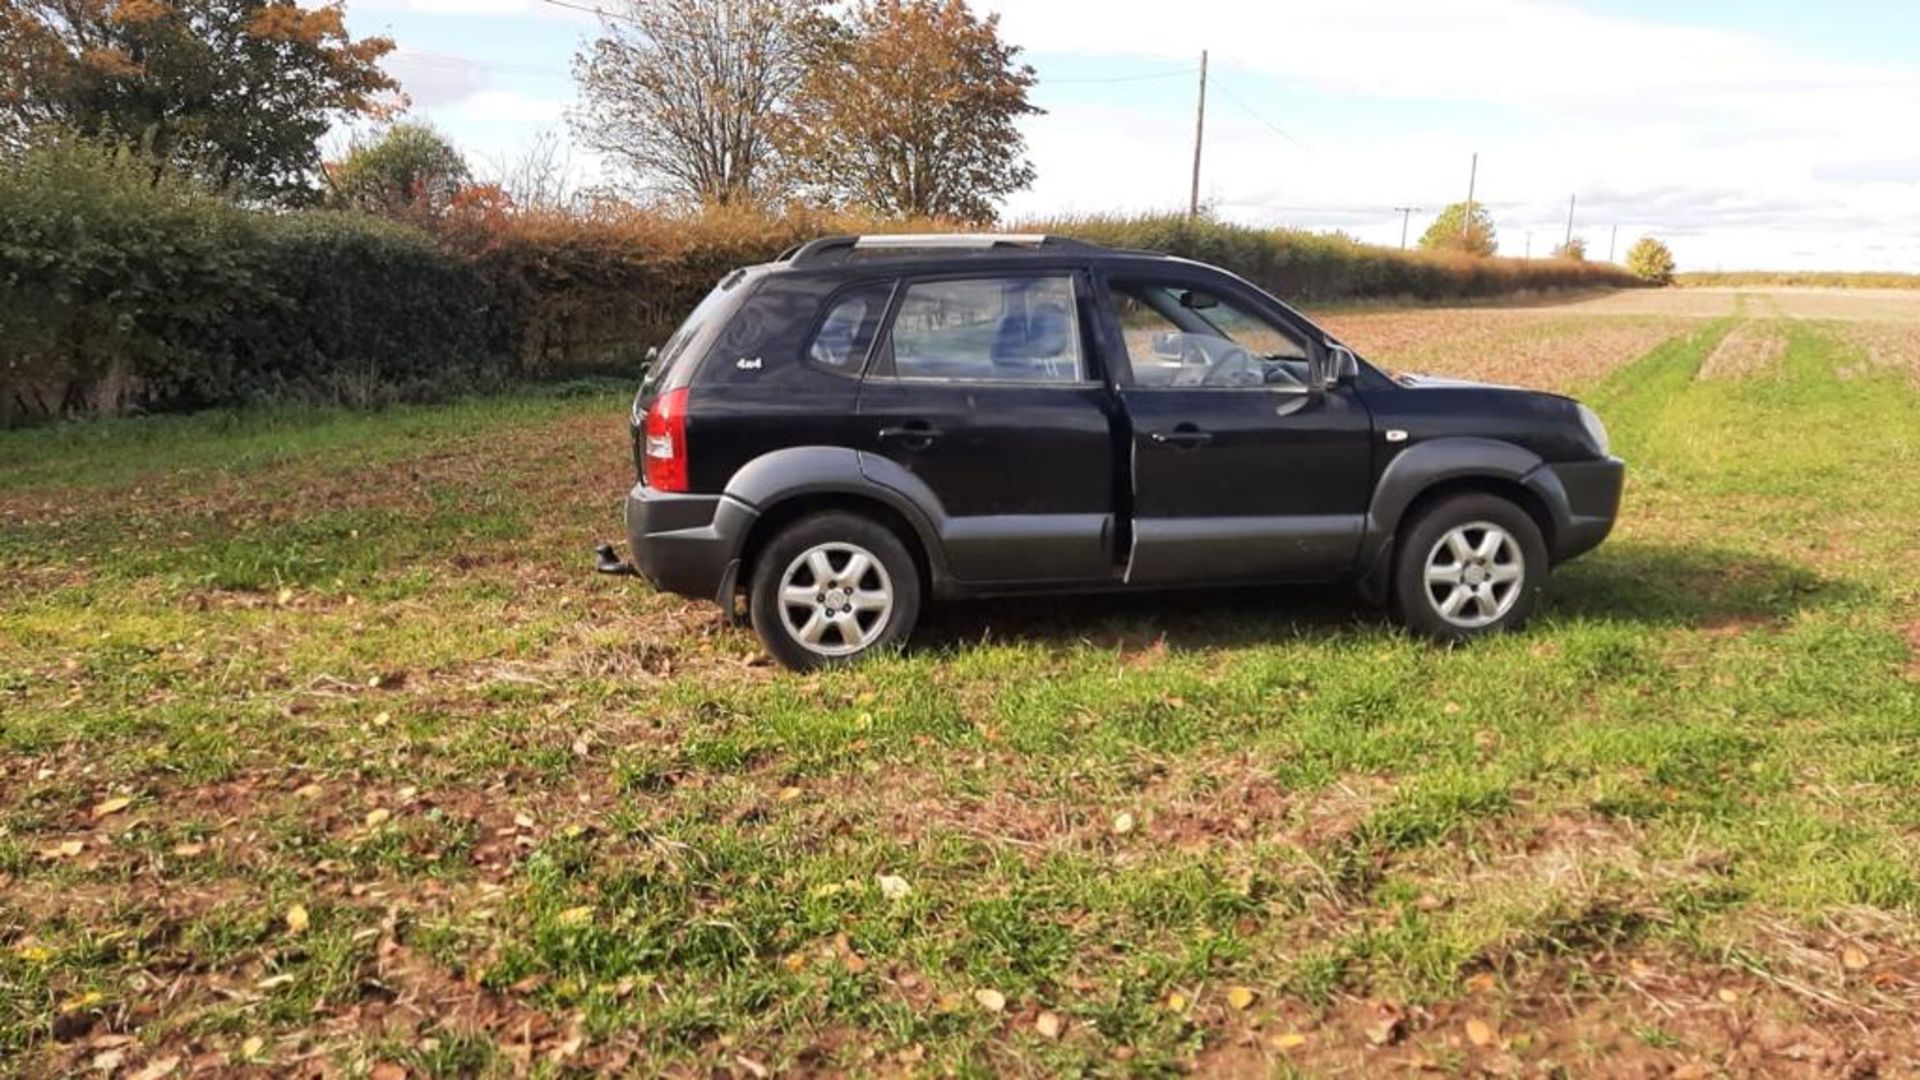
[1747, 134]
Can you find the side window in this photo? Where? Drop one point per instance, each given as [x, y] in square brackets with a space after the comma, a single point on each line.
[1177, 336]
[1017, 328]
[845, 335]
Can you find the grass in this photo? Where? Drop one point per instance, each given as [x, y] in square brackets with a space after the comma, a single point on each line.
[541, 820]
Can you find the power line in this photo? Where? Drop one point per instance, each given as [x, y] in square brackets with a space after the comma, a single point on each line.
[1262, 120]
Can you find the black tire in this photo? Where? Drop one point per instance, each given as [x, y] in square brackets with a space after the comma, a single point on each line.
[844, 635]
[1518, 566]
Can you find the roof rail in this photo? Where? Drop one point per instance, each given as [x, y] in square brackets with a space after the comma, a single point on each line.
[817, 250]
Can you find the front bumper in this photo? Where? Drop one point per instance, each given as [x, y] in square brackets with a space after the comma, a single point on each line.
[688, 544]
[1590, 493]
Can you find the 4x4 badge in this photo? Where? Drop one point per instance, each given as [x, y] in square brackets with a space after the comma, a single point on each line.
[747, 363]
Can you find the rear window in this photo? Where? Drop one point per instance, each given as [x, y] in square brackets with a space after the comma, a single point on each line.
[845, 335]
[678, 358]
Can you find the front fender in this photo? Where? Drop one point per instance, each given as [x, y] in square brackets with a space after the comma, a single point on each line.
[1420, 467]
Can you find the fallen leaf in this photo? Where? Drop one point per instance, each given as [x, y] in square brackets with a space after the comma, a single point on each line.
[111, 806]
[387, 1070]
[1177, 1001]
[991, 1000]
[1048, 1024]
[524, 820]
[66, 849]
[1853, 959]
[378, 817]
[1122, 823]
[308, 791]
[1239, 997]
[188, 851]
[758, 1070]
[82, 1001]
[1481, 982]
[297, 919]
[1479, 1032]
[157, 1068]
[1729, 996]
[252, 1047]
[575, 916]
[893, 887]
[283, 596]
[1290, 1041]
[108, 1061]
[273, 982]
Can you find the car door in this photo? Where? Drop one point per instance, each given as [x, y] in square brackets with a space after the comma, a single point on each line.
[1243, 467]
[981, 392]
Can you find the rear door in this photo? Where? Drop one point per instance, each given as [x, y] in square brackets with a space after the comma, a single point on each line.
[1243, 467]
[982, 390]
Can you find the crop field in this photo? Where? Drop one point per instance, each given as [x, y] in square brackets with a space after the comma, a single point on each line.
[324, 753]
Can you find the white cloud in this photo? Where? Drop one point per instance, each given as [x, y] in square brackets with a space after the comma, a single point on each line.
[1744, 152]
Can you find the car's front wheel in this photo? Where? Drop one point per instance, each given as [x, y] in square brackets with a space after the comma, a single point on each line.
[1469, 565]
[832, 588]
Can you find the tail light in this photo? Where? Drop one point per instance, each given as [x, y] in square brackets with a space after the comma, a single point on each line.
[665, 433]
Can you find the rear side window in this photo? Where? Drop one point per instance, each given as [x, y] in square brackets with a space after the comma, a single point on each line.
[846, 334]
[1023, 329]
[673, 368]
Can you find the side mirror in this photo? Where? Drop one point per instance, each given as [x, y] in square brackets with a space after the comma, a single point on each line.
[1342, 366]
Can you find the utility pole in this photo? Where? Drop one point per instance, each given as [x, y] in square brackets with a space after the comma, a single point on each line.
[1612, 239]
[1406, 214]
[1567, 247]
[1199, 135]
[1473, 174]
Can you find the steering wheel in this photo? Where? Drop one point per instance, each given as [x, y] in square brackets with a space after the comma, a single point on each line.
[1235, 366]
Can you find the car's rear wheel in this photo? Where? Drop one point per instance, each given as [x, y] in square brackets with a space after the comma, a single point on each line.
[1469, 565]
[833, 588]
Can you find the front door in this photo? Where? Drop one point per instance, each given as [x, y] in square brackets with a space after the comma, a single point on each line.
[981, 390]
[1244, 467]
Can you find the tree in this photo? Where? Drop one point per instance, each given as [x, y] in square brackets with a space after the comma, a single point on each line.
[1574, 249]
[237, 91]
[686, 93]
[913, 109]
[1454, 231]
[411, 170]
[1651, 261]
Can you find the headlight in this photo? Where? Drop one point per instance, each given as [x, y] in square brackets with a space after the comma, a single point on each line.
[1596, 431]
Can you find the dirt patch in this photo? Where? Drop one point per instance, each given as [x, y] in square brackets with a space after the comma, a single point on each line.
[1891, 346]
[1750, 350]
[1549, 348]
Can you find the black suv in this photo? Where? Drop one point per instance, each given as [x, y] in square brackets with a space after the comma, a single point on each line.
[870, 420]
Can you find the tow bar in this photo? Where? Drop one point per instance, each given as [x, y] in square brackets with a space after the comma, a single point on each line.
[605, 561]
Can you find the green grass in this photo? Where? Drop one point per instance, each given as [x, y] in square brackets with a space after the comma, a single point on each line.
[543, 819]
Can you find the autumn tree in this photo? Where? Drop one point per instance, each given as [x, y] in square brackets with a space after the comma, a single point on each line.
[912, 108]
[238, 91]
[1651, 261]
[410, 170]
[686, 93]
[1455, 230]
[1574, 249]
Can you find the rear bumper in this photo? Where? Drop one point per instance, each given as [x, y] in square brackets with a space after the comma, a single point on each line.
[688, 544]
[1591, 496]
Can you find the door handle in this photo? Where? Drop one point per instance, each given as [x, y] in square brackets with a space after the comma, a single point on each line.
[914, 434]
[1186, 436]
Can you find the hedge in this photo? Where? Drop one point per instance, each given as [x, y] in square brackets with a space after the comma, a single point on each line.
[123, 289]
